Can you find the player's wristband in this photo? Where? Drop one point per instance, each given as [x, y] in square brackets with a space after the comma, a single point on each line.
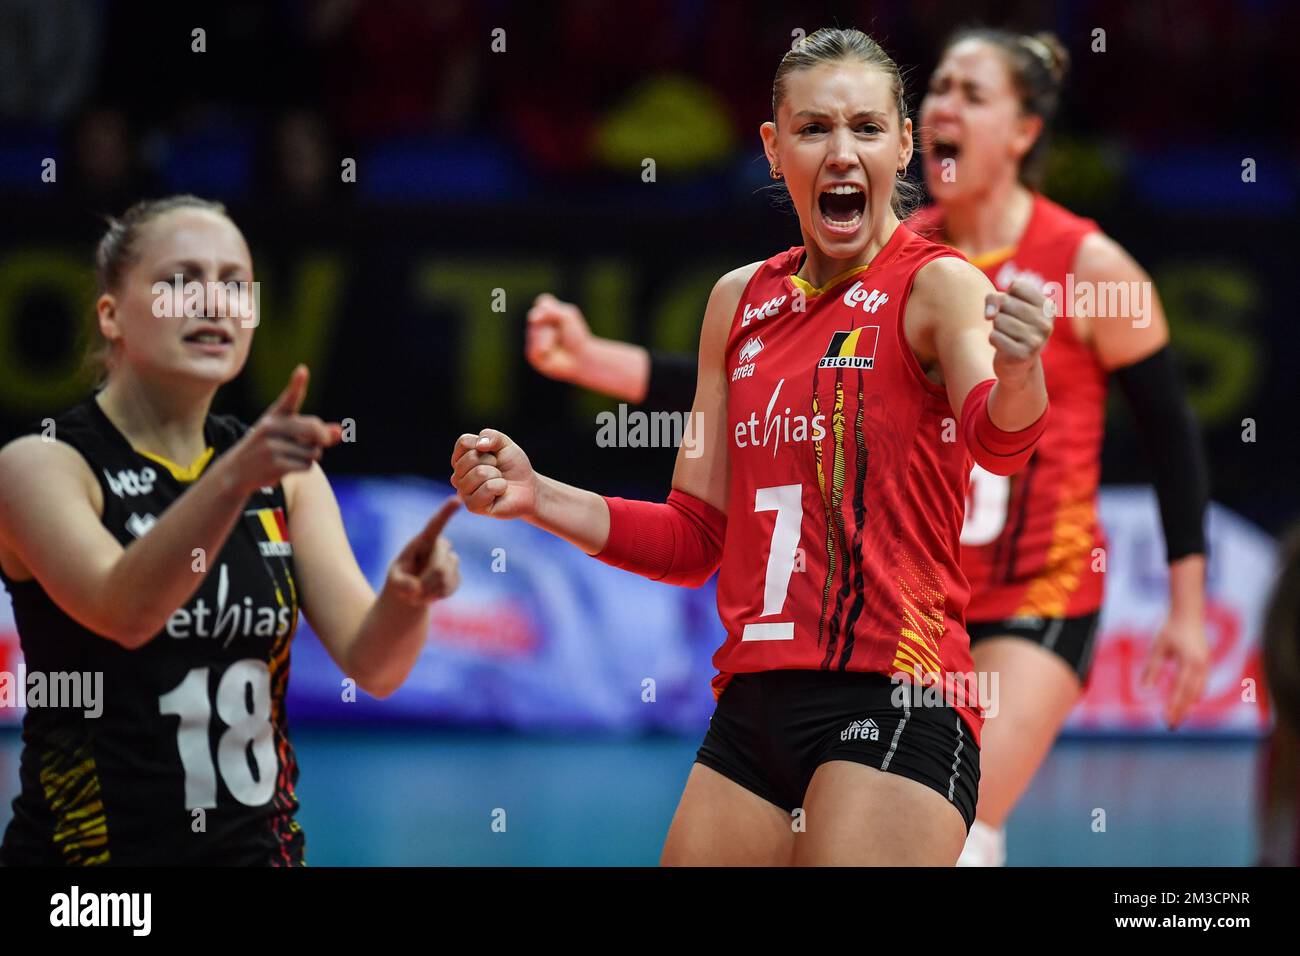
[678, 541]
[672, 381]
[995, 450]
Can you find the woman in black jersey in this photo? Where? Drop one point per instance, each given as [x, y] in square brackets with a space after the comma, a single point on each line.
[158, 555]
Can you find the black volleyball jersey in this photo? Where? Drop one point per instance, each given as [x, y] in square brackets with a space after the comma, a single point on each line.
[189, 759]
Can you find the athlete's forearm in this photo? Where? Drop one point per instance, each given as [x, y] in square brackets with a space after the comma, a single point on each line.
[172, 559]
[579, 517]
[386, 645]
[1017, 401]
[617, 369]
[1187, 587]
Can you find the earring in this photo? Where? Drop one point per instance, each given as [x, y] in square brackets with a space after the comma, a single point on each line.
[774, 172]
[902, 172]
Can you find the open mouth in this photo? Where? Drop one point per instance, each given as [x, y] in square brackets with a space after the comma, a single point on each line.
[208, 337]
[842, 206]
[944, 150]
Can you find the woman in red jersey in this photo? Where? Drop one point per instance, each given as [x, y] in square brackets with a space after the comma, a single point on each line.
[1033, 549]
[829, 490]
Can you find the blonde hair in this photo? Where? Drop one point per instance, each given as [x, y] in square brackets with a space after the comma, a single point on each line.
[114, 256]
[834, 45]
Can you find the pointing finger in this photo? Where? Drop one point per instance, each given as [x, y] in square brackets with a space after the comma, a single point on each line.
[290, 400]
[440, 518]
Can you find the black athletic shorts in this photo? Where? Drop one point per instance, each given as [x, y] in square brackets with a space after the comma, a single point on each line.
[772, 729]
[1073, 639]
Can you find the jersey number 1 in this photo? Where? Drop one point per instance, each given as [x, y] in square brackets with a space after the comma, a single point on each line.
[244, 705]
[787, 502]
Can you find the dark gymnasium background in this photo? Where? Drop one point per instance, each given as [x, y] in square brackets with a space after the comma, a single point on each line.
[499, 151]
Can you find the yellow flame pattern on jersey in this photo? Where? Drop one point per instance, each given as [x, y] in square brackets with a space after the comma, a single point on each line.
[71, 786]
[921, 597]
[1048, 595]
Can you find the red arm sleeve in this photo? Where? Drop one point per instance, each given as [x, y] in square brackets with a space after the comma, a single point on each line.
[1002, 453]
[678, 541]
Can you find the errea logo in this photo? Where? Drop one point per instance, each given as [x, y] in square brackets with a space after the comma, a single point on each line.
[764, 311]
[129, 483]
[861, 730]
[745, 358]
[870, 301]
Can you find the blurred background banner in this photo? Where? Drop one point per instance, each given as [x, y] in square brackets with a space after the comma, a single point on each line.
[541, 637]
[412, 322]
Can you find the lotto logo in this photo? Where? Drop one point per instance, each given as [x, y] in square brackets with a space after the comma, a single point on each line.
[764, 311]
[127, 483]
[861, 730]
[870, 301]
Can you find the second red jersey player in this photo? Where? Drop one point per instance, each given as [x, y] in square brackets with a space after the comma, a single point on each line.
[1029, 539]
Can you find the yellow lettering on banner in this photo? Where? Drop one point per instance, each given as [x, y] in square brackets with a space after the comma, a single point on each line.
[1209, 306]
[491, 344]
[607, 303]
[25, 386]
[297, 324]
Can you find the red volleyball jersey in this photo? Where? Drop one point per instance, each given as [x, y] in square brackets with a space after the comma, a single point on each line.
[845, 502]
[1028, 541]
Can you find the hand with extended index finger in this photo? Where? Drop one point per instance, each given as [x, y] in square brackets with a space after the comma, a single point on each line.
[493, 476]
[282, 440]
[427, 569]
[1022, 323]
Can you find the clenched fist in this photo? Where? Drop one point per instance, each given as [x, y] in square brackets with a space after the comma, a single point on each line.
[557, 337]
[1022, 323]
[493, 476]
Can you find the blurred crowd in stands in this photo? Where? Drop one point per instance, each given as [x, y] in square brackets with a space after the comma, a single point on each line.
[575, 94]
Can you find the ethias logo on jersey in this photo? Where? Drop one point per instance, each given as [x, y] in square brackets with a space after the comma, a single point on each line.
[782, 427]
[229, 620]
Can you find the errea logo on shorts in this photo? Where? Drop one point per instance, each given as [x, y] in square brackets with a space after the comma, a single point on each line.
[870, 301]
[861, 730]
[129, 483]
[764, 311]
